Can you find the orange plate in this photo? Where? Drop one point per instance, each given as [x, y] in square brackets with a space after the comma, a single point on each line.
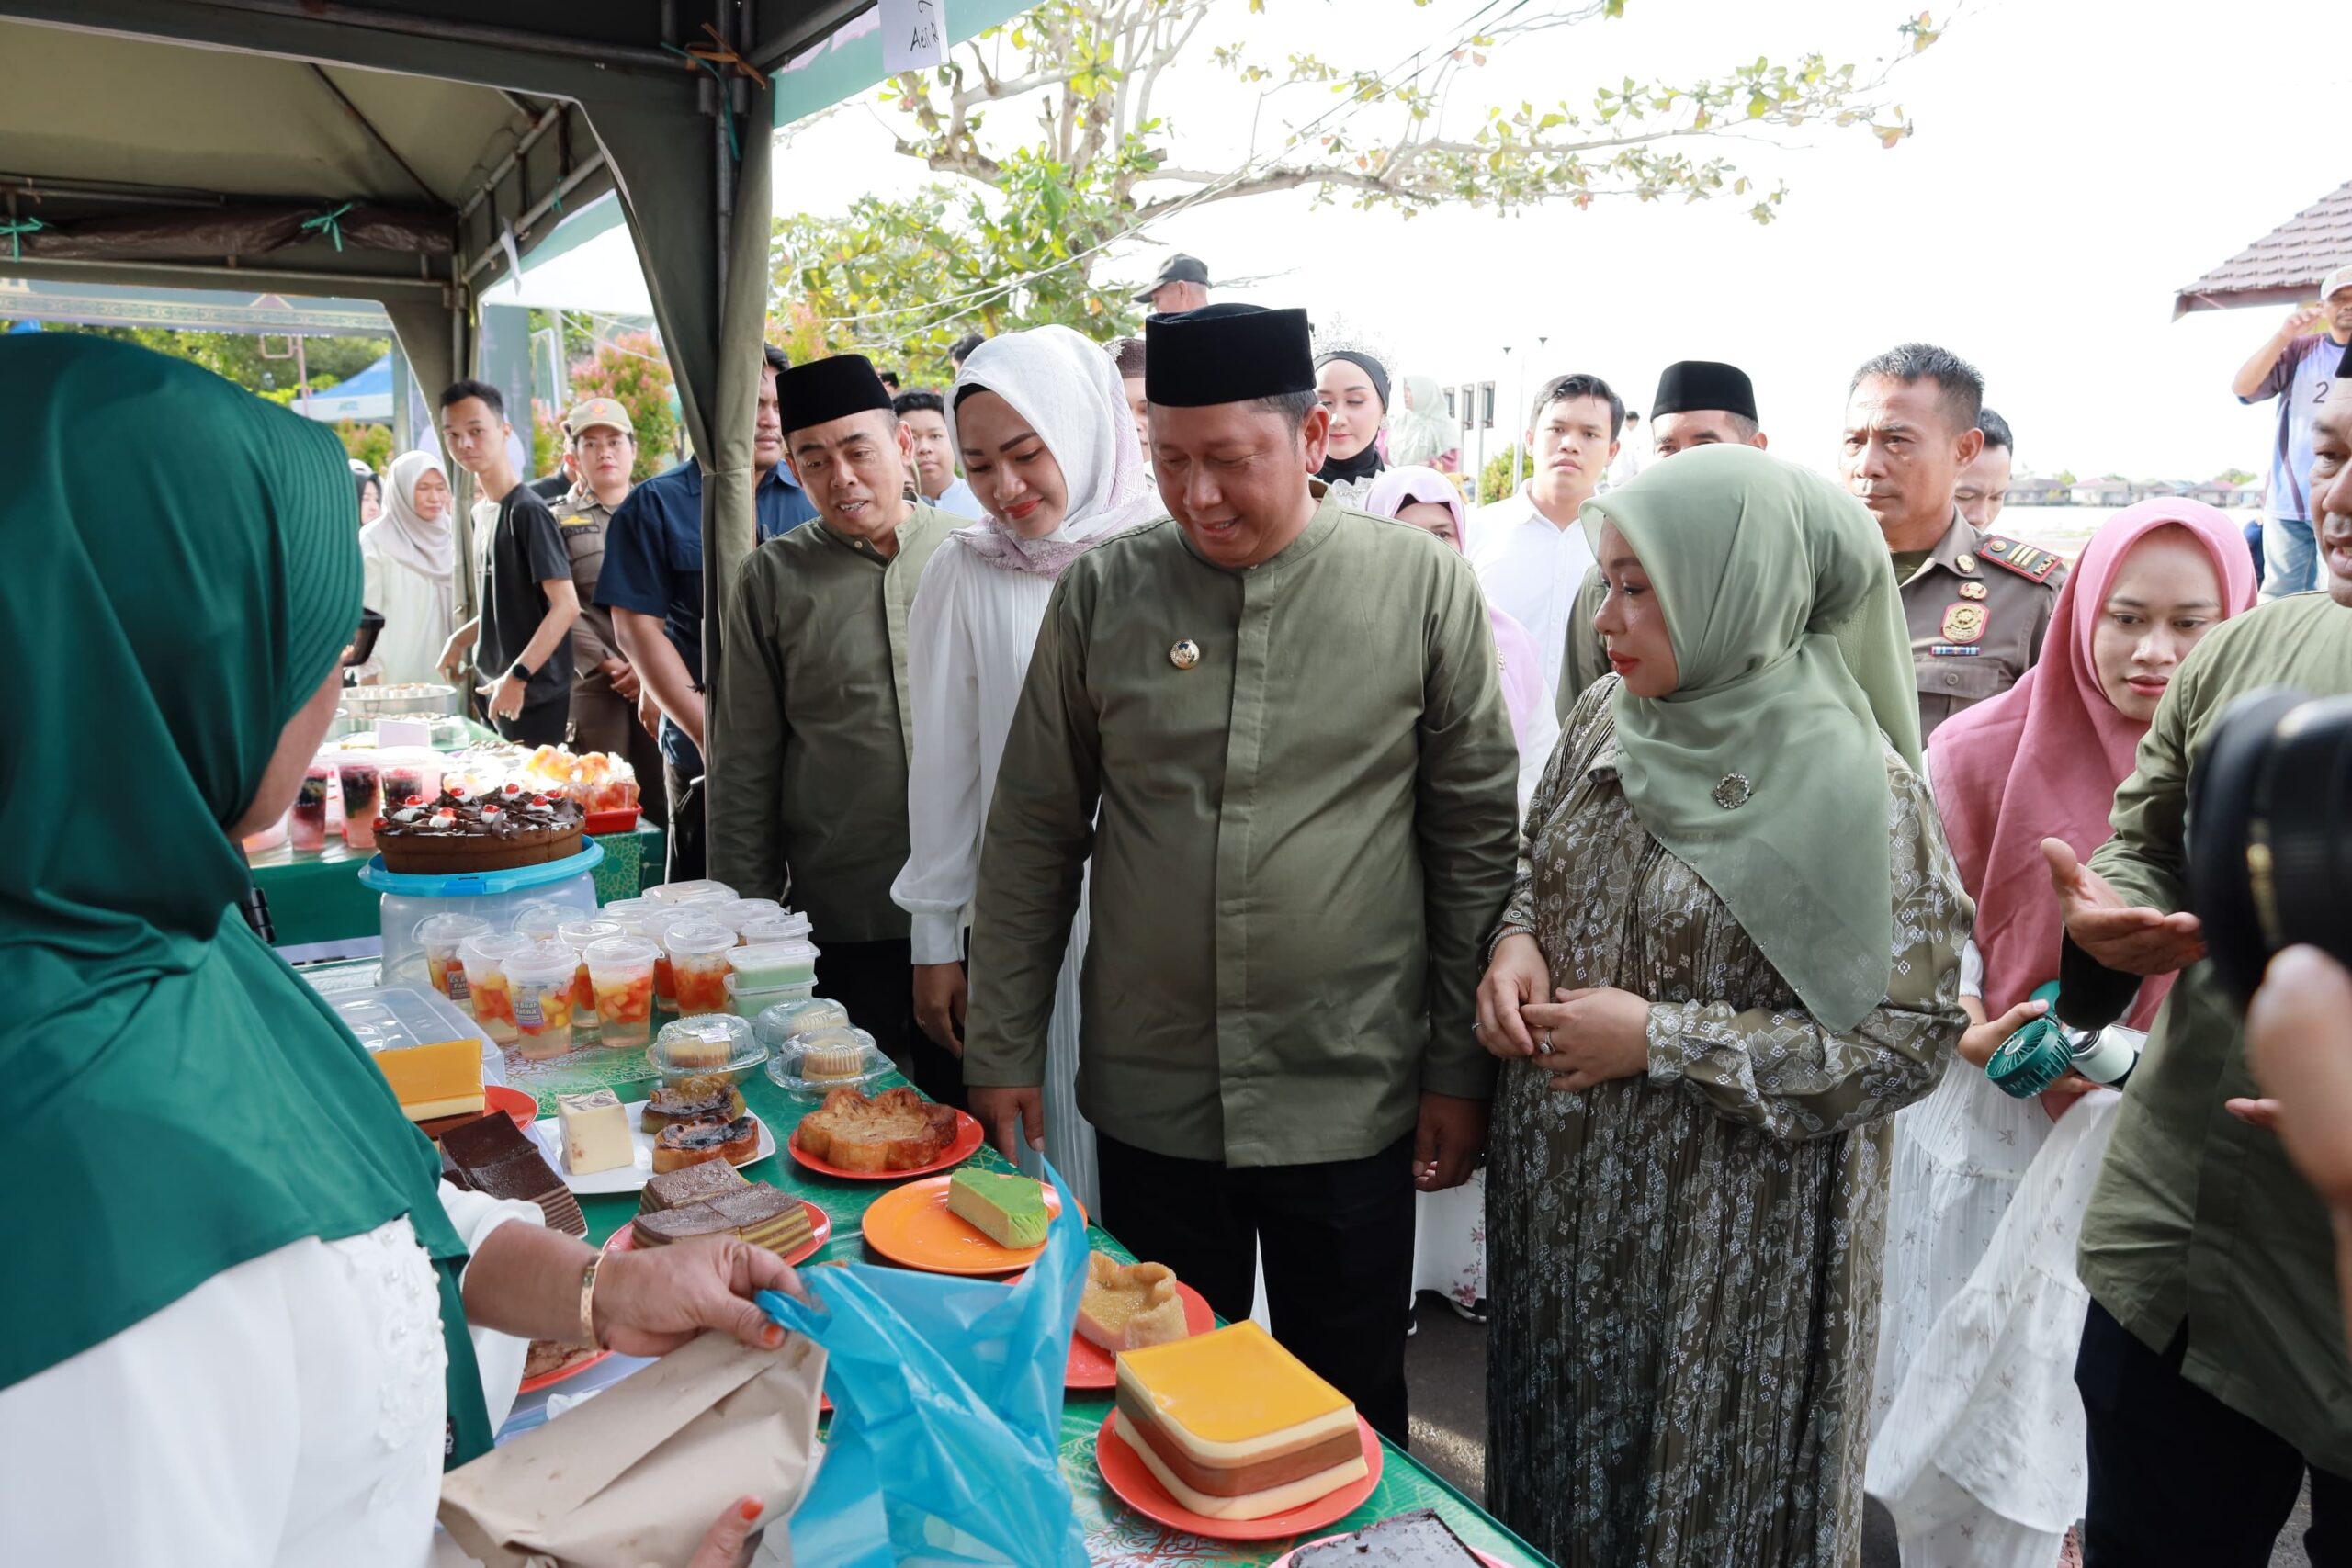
[1090, 1366]
[911, 1225]
[1285, 1559]
[966, 1144]
[821, 1230]
[522, 1107]
[1141, 1490]
[570, 1369]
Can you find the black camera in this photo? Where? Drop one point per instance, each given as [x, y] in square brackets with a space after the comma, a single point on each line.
[2270, 833]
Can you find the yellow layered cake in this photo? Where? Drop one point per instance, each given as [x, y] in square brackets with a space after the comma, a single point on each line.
[1235, 1427]
[440, 1079]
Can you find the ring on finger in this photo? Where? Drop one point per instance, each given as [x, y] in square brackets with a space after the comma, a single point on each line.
[1545, 1046]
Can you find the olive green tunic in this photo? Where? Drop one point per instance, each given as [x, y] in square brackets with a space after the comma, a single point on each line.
[1684, 1265]
[811, 725]
[2198, 1217]
[1302, 840]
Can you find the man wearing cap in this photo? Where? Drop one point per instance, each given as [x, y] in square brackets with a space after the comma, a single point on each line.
[1700, 402]
[599, 452]
[2296, 366]
[811, 721]
[1276, 725]
[1978, 604]
[651, 580]
[1181, 285]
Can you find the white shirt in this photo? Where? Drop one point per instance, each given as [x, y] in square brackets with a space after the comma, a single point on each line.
[1629, 460]
[416, 625]
[971, 634]
[1532, 570]
[959, 500]
[285, 1413]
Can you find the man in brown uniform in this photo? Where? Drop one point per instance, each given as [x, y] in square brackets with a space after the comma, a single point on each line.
[1977, 603]
[599, 455]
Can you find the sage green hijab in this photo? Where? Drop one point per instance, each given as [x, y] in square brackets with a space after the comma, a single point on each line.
[1765, 772]
[183, 571]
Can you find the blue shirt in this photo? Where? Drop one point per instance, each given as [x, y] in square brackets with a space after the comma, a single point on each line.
[654, 565]
[2302, 380]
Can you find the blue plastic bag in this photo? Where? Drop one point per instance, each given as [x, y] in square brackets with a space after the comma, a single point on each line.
[947, 1409]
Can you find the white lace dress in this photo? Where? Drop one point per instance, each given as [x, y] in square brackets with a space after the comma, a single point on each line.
[285, 1413]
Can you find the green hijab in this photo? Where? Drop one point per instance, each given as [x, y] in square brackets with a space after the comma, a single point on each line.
[183, 573]
[1765, 772]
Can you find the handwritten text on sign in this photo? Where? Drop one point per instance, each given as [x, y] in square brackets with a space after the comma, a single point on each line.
[914, 34]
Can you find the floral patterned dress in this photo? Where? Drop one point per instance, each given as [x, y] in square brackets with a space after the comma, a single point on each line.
[1685, 1265]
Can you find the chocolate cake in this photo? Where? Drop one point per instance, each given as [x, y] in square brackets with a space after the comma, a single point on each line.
[493, 1155]
[460, 831]
[1418, 1540]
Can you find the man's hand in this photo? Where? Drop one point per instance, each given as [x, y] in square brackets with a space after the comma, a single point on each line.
[1006, 1112]
[2135, 941]
[1517, 975]
[505, 697]
[648, 713]
[939, 1004]
[1590, 1036]
[1446, 1141]
[2299, 321]
[622, 674]
[649, 1303]
[455, 653]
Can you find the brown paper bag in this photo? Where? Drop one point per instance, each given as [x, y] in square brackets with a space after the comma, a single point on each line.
[637, 1474]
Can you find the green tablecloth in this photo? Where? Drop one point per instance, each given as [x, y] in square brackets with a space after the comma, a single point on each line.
[1115, 1534]
[316, 898]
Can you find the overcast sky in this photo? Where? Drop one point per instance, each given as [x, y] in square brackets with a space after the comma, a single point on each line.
[2076, 162]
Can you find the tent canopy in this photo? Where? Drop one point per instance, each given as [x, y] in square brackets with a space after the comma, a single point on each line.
[366, 396]
[2283, 267]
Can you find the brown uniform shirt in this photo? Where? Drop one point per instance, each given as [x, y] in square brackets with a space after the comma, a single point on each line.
[581, 520]
[1977, 610]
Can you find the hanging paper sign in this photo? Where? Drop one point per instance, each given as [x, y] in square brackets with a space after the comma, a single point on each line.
[914, 34]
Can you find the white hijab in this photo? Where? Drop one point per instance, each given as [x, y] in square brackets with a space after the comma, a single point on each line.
[1423, 433]
[428, 549]
[1069, 391]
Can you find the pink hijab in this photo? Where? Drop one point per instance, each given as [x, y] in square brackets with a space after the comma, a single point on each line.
[2042, 760]
[1523, 666]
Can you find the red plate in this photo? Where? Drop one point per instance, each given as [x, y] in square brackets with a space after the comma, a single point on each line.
[522, 1107]
[1141, 1490]
[820, 1229]
[1285, 1559]
[569, 1369]
[1090, 1366]
[966, 1144]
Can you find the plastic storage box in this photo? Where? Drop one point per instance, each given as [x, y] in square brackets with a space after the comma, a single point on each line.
[492, 895]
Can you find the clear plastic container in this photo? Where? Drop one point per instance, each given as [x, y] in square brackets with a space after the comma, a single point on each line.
[653, 925]
[745, 1001]
[676, 895]
[363, 797]
[541, 919]
[441, 936]
[629, 912]
[491, 896]
[698, 966]
[488, 995]
[771, 965]
[411, 776]
[779, 1024]
[785, 927]
[306, 828]
[739, 912]
[620, 969]
[579, 935]
[810, 1067]
[541, 976]
[715, 1043]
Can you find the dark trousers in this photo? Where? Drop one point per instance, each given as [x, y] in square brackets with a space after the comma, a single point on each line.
[539, 724]
[2179, 1478]
[1338, 1243]
[684, 825]
[876, 980]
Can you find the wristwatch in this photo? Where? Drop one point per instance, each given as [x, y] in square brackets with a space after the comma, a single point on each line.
[521, 672]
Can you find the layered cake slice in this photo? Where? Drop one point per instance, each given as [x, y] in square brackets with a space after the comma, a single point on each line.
[676, 1188]
[1417, 1539]
[596, 1132]
[759, 1213]
[1235, 1427]
[1009, 1210]
[433, 1081]
[493, 1157]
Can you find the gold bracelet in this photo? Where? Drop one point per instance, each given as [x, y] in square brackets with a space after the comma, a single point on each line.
[588, 1303]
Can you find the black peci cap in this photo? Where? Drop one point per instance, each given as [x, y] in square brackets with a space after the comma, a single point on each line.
[1227, 354]
[830, 388]
[1703, 384]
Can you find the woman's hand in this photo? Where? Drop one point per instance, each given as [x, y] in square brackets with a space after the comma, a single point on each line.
[649, 1303]
[722, 1546]
[1978, 1042]
[1590, 1036]
[1516, 977]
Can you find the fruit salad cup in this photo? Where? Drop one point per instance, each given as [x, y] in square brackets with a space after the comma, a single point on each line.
[306, 830]
[698, 965]
[621, 970]
[653, 926]
[542, 976]
[488, 995]
[363, 800]
[441, 936]
[410, 779]
[580, 935]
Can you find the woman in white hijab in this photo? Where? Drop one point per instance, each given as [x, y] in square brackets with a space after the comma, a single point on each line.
[1041, 423]
[1421, 430]
[410, 557]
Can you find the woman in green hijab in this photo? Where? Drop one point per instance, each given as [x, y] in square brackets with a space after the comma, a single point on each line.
[236, 1324]
[1732, 954]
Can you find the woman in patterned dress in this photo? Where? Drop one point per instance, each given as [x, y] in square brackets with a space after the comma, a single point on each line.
[1732, 954]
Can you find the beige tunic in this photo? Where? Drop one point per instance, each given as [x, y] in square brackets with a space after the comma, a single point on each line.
[1685, 1265]
[812, 725]
[1305, 779]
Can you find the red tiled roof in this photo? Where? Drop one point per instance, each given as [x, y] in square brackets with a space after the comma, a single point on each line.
[2284, 265]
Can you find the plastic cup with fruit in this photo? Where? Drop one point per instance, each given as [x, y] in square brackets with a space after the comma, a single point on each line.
[488, 995]
[541, 976]
[622, 970]
[441, 936]
[698, 966]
